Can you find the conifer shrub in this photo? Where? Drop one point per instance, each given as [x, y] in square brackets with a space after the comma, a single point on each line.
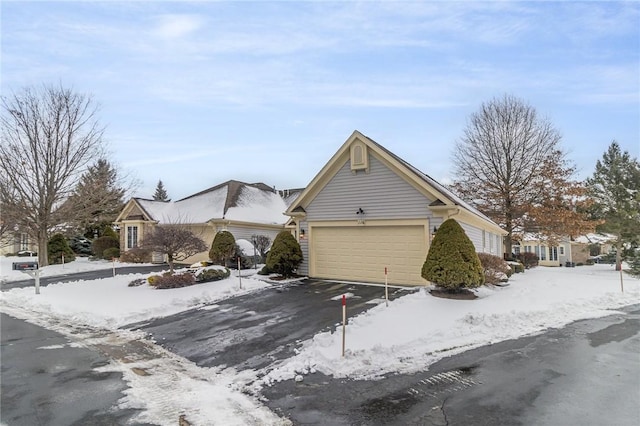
[222, 248]
[496, 270]
[452, 262]
[285, 255]
[111, 253]
[100, 244]
[634, 264]
[58, 247]
[212, 274]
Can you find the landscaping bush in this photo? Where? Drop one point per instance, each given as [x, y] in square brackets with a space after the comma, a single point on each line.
[516, 267]
[222, 248]
[452, 262]
[634, 264]
[285, 255]
[212, 274]
[172, 280]
[111, 253]
[528, 259]
[58, 247]
[496, 270]
[265, 271]
[80, 245]
[136, 255]
[100, 244]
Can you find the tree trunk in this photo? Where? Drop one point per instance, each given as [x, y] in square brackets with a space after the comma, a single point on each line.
[619, 254]
[43, 249]
[170, 260]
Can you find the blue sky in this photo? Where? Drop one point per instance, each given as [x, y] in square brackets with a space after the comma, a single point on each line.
[197, 93]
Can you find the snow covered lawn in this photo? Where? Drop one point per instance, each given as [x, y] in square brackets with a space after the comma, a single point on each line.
[410, 334]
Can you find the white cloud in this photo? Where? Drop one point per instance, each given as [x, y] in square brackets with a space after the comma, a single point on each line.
[172, 26]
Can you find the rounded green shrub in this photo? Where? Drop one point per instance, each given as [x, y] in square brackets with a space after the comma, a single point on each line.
[101, 244]
[222, 248]
[285, 255]
[452, 262]
[212, 274]
[58, 247]
[111, 253]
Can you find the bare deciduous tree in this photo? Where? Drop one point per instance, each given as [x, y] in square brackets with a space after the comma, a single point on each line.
[504, 149]
[175, 241]
[262, 243]
[49, 135]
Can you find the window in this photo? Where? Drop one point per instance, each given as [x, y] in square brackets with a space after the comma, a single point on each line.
[491, 243]
[515, 250]
[132, 236]
[527, 249]
[24, 241]
[484, 241]
[561, 250]
[553, 253]
[543, 253]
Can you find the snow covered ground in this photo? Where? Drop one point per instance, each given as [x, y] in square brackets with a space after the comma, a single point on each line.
[410, 334]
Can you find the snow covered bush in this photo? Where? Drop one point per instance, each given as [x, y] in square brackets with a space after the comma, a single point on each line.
[222, 248]
[496, 270]
[285, 255]
[452, 262]
[212, 274]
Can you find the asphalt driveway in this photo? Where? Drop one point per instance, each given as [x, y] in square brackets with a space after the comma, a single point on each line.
[254, 330]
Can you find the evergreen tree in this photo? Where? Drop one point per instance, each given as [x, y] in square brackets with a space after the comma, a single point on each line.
[285, 255]
[615, 189]
[452, 262]
[161, 193]
[97, 199]
[223, 248]
[58, 248]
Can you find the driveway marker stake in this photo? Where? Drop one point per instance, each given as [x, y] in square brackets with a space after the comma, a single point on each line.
[344, 321]
[386, 287]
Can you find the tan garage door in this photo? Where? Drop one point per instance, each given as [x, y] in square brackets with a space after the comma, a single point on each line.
[360, 253]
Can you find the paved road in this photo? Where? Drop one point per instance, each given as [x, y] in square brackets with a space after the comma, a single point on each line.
[252, 331]
[587, 373]
[45, 381]
[88, 275]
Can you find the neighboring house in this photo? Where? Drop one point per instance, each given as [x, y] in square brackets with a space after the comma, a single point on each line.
[548, 255]
[16, 241]
[576, 251]
[368, 209]
[241, 208]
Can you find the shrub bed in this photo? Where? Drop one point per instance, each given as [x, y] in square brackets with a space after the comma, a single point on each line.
[496, 270]
[169, 280]
[211, 274]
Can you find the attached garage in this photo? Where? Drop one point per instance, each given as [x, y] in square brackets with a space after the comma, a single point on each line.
[368, 209]
[360, 253]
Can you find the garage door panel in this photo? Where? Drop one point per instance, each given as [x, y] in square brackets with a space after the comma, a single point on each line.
[361, 253]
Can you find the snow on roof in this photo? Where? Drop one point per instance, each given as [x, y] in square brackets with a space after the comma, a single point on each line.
[231, 200]
[595, 238]
[255, 205]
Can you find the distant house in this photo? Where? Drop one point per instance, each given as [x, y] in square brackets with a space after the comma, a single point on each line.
[368, 211]
[576, 250]
[548, 254]
[244, 209]
[16, 241]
